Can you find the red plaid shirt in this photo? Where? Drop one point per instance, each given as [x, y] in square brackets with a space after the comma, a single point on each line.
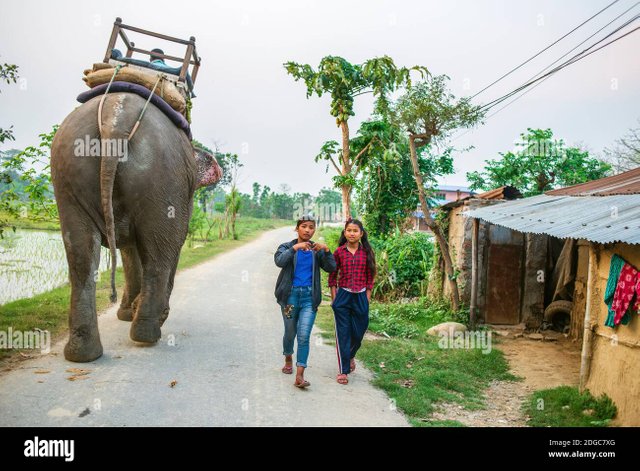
[352, 269]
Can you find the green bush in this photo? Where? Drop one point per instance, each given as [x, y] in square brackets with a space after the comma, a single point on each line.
[403, 263]
[196, 223]
[408, 320]
[331, 236]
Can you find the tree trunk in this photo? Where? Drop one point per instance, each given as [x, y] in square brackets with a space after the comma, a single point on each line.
[346, 202]
[226, 223]
[346, 170]
[233, 227]
[435, 228]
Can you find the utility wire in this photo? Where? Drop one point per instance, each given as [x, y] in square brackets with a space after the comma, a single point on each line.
[583, 54]
[574, 59]
[545, 49]
[584, 41]
[562, 57]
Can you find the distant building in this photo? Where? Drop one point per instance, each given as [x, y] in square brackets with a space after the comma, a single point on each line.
[443, 194]
[448, 193]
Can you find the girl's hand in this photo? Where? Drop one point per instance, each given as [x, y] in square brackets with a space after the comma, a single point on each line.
[302, 246]
[318, 246]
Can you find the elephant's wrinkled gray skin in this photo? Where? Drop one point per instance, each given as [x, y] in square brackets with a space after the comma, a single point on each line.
[140, 204]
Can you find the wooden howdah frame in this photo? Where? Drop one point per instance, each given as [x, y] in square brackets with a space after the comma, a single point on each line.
[190, 57]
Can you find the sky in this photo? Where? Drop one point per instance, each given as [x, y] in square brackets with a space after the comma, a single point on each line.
[247, 104]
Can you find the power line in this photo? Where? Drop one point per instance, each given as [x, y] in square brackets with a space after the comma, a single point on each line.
[585, 40]
[545, 49]
[581, 55]
[562, 57]
[499, 110]
[537, 81]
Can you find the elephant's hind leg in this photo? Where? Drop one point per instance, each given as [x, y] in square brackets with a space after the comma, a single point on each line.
[82, 244]
[165, 312]
[159, 249]
[133, 279]
[150, 304]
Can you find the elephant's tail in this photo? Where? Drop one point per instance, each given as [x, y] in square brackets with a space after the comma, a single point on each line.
[108, 167]
[110, 121]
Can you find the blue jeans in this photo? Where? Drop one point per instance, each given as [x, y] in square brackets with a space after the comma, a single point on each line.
[301, 322]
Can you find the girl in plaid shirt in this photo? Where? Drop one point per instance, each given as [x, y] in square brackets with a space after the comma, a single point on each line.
[351, 286]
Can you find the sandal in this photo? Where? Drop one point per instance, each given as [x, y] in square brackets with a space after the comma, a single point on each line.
[287, 369]
[352, 364]
[302, 385]
[342, 379]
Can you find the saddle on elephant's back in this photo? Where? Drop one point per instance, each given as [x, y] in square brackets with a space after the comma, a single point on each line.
[168, 88]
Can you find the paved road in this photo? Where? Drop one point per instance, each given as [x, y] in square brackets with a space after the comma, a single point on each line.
[222, 347]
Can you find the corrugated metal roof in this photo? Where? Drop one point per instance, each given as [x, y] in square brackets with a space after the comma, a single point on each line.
[627, 183]
[603, 219]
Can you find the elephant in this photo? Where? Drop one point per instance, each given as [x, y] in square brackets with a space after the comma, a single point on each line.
[131, 192]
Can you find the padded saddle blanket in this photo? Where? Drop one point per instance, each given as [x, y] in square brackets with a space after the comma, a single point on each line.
[175, 117]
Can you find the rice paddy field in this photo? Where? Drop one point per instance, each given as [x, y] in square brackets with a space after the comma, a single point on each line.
[34, 262]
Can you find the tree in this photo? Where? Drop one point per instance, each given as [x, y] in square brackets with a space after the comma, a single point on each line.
[344, 81]
[386, 191]
[429, 113]
[232, 200]
[281, 205]
[327, 205]
[328, 196]
[625, 155]
[233, 203]
[9, 75]
[10, 178]
[25, 190]
[541, 164]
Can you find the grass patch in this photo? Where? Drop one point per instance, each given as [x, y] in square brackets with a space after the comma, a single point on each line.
[438, 423]
[411, 367]
[49, 311]
[565, 406]
[27, 223]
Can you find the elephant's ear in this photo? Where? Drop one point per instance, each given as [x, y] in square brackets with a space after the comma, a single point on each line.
[209, 172]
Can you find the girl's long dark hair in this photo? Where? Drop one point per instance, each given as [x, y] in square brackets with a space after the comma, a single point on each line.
[371, 256]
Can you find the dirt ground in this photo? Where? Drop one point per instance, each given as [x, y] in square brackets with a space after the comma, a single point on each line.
[543, 364]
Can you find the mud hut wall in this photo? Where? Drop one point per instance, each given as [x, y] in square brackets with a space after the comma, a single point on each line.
[460, 230]
[615, 363]
[460, 240]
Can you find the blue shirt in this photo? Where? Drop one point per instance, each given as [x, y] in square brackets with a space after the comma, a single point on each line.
[303, 274]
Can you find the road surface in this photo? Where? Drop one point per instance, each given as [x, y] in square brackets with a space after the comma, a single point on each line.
[221, 349]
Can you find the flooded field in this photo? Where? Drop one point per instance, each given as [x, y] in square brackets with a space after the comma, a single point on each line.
[33, 262]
